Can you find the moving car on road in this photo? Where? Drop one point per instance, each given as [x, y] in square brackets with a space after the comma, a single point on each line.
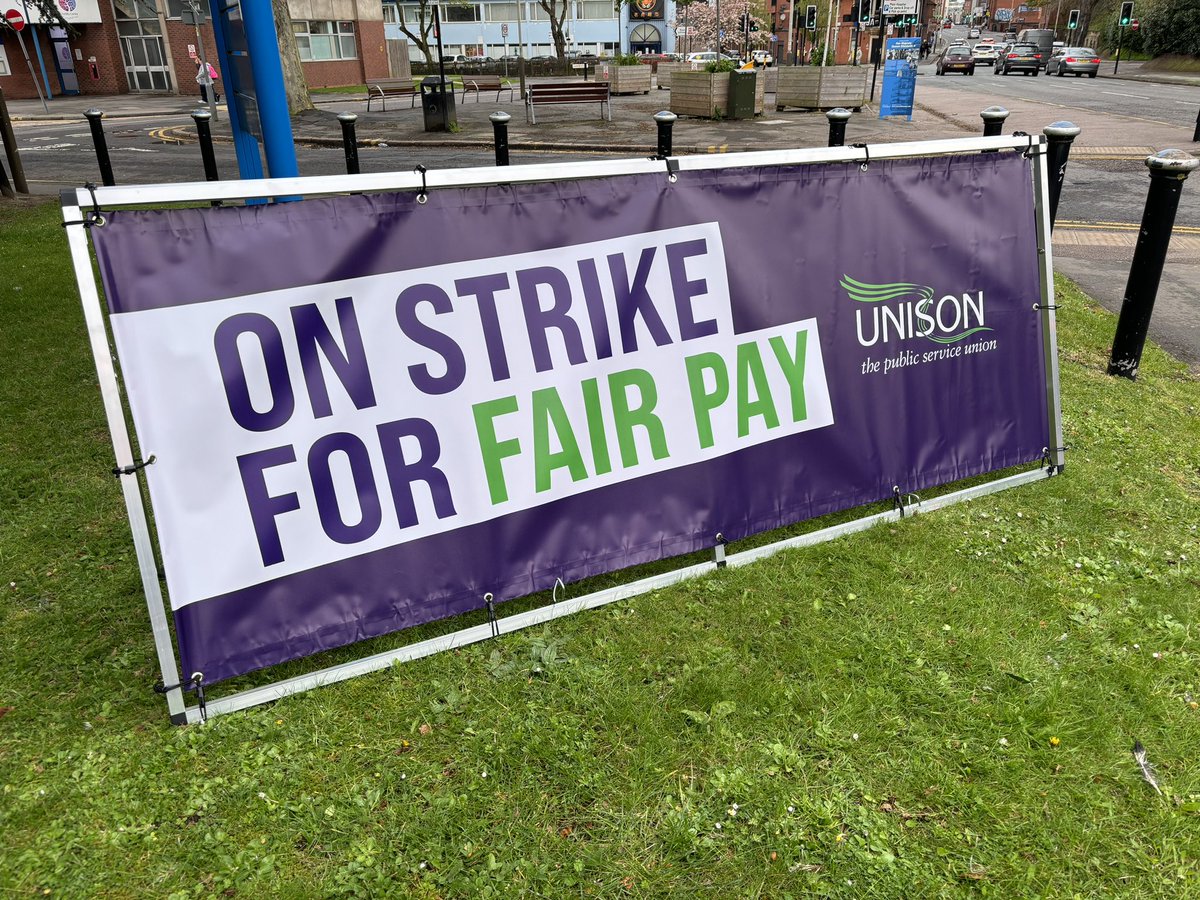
[1043, 37]
[1026, 58]
[972, 33]
[1074, 61]
[956, 59]
[984, 54]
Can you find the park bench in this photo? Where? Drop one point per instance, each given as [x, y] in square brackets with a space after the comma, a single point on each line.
[386, 88]
[481, 83]
[569, 92]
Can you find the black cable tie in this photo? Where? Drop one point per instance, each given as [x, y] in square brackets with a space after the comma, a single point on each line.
[898, 499]
[95, 217]
[198, 681]
[130, 469]
[424, 195]
[719, 550]
[491, 611]
[1046, 460]
[867, 150]
[1028, 154]
[672, 169]
[196, 684]
[1038, 306]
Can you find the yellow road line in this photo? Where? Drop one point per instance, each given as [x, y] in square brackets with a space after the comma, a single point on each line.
[1117, 226]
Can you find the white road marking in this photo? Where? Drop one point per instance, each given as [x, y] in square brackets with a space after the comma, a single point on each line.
[1122, 94]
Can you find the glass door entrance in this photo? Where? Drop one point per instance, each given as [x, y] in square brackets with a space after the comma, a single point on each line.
[145, 58]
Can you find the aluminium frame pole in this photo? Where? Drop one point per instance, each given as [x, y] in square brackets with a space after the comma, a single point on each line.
[1041, 199]
[114, 412]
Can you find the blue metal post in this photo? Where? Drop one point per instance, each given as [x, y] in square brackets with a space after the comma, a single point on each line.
[263, 45]
[244, 144]
[37, 48]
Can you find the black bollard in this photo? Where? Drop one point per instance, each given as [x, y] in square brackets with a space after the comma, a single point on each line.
[1168, 170]
[94, 116]
[349, 141]
[993, 122]
[666, 122]
[500, 122]
[1059, 138]
[837, 126]
[1196, 135]
[202, 117]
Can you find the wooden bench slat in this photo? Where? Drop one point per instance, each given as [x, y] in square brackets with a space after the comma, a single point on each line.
[384, 88]
[568, 92]
[481, 83]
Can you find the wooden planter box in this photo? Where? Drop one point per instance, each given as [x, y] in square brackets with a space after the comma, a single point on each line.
[628, 79]
[665, 70]
[706, 94]
[822, 87]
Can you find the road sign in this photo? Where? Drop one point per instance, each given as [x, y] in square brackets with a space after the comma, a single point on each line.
[504, 29]
[15, 20]
[1134, 25]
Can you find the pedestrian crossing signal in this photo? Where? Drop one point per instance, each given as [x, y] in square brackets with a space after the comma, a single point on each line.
[1126, 12]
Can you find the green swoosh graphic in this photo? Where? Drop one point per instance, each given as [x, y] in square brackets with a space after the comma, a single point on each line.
[863, 292]
[956, 337]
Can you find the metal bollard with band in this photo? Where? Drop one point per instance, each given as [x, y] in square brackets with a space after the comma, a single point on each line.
[666, 122]
[993, 121]
[1059, 137]
[500, 122]
[349, 141]
[94, 116]
[838, 118]
[1168, 170]
[202, 118]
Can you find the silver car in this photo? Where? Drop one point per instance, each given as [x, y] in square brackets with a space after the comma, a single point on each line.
[1075, 61]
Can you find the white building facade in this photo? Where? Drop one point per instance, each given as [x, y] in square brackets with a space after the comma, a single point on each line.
[488, 28]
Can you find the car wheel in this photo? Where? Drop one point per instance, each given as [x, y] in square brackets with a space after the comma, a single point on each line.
[1035, 73]
[1091, 74]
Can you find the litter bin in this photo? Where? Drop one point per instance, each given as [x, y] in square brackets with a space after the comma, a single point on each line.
[437, 100]
[741, 94]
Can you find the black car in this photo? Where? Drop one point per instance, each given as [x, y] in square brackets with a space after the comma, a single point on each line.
[1020, 58]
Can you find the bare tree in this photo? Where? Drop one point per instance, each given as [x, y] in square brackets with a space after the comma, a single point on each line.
[422, 35]
[294, 82]
[557, 11]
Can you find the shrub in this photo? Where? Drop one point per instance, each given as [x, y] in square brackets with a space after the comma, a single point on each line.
[721, 65]
[1172, 26]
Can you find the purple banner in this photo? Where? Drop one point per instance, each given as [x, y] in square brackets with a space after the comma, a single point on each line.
[367, 413]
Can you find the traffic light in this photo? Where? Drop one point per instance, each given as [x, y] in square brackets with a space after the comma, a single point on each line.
[1073, 20]
[810, 19]
[1126, 12]
[864, 11]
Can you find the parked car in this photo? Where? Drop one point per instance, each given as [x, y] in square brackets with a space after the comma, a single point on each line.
[762, 57]
[1020, 57]
[984, 54]
[956, 59]
[1074, 61]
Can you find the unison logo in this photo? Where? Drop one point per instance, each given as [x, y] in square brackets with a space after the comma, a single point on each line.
[900, 311]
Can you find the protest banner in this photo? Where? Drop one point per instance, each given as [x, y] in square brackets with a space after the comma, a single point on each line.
[370, 412]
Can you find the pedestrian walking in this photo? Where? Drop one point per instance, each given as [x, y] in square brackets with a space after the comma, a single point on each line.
[207, 77]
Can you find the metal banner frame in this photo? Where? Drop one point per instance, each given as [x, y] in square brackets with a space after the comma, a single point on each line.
[83, 207]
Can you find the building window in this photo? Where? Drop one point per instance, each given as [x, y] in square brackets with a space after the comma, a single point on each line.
[501, 12]
[318, 41]
[391, 13]
[4, 69]
[597, 9]
[461, 12]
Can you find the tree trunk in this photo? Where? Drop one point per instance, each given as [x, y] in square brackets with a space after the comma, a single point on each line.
[293, 72]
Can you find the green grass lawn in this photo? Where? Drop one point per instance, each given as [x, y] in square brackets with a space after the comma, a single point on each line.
[940, 707]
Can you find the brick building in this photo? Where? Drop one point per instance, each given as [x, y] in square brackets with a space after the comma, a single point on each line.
[131, 46]
[844, 31]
